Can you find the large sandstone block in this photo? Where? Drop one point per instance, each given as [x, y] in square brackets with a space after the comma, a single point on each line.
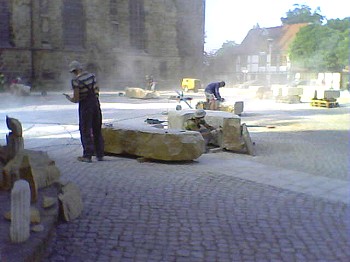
[328, 94]
[292, 91]
[281, 90]
[153, 143]
[136, 92]
[237, 108]
[43, 169]
[230, 123]
[71, 202]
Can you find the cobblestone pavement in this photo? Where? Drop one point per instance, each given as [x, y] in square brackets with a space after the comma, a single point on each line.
[182, 212]
[205, 210]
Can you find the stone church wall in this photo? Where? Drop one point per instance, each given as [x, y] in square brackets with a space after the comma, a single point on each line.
[173, 42]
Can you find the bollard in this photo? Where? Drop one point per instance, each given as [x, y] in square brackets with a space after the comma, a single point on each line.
[20, 212]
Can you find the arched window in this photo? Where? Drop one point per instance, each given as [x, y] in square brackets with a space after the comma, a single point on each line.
[4, 24]
[113, 14]
[73, 24]
[45, 23]
[137, 24]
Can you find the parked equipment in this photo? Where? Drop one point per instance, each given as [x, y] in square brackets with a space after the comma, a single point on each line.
[328, 100]
[329, 103]
[191, 84]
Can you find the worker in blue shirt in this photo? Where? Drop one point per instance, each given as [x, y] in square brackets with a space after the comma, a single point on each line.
[212, 94]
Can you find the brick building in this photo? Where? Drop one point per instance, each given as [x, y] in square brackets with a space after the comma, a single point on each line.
[120, 40]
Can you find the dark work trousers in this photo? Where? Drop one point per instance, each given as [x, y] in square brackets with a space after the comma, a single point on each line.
[90, 123]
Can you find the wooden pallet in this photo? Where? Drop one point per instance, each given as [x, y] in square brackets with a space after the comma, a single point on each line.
[324, 103]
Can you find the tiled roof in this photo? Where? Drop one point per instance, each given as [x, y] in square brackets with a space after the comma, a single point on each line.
[258, 39]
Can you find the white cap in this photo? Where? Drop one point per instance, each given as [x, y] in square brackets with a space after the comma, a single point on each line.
[75, 65]
[200, 113]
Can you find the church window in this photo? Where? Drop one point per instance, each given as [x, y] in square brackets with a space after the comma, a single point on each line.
[5, 38]
[73, 24]
[137, 24]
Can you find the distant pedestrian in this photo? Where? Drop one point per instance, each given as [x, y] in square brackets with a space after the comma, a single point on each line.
[212, 94]
[151, 84]
[86, 93]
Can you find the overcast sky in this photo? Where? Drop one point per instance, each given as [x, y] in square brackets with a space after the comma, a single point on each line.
[230, 20]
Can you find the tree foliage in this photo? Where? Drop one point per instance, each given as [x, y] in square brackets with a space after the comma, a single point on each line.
[302, 14]
[221, 60]
[322, 47]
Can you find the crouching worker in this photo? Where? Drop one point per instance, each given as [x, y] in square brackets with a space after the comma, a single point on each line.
[198, 123]
[212, 94]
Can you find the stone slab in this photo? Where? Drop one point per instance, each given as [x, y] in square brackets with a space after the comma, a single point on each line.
[70, 201]
[153, 143]
[137, 92]
[230, 124]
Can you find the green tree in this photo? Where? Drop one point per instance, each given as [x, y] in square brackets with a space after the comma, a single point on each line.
[302, 14]
[221, 61]
[343, 45]
[321, 48]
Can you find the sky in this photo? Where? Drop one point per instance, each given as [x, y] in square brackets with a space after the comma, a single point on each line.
[230, 20]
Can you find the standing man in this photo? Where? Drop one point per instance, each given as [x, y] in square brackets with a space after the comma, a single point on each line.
[212, 94]
[151, 84]
[86, 93]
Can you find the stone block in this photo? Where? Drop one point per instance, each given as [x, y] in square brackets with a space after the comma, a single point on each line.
[153, 143]
[136, 92]
[238, 108]
[70, 201]
[286, 91]
[48, 202]
[25, 172]
[43, 169]
[230, 123]
[20, 212]
[46, 175]
[226, 107]
[15, 145]
[177, 119]
[331, 94]
[292, 91]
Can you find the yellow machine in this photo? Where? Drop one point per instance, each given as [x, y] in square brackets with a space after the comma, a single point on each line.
[328, 98]
[193, 84]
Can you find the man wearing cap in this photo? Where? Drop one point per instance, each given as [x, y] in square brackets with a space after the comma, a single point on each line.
[198, 123]
[212, 94]
[86, 93]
